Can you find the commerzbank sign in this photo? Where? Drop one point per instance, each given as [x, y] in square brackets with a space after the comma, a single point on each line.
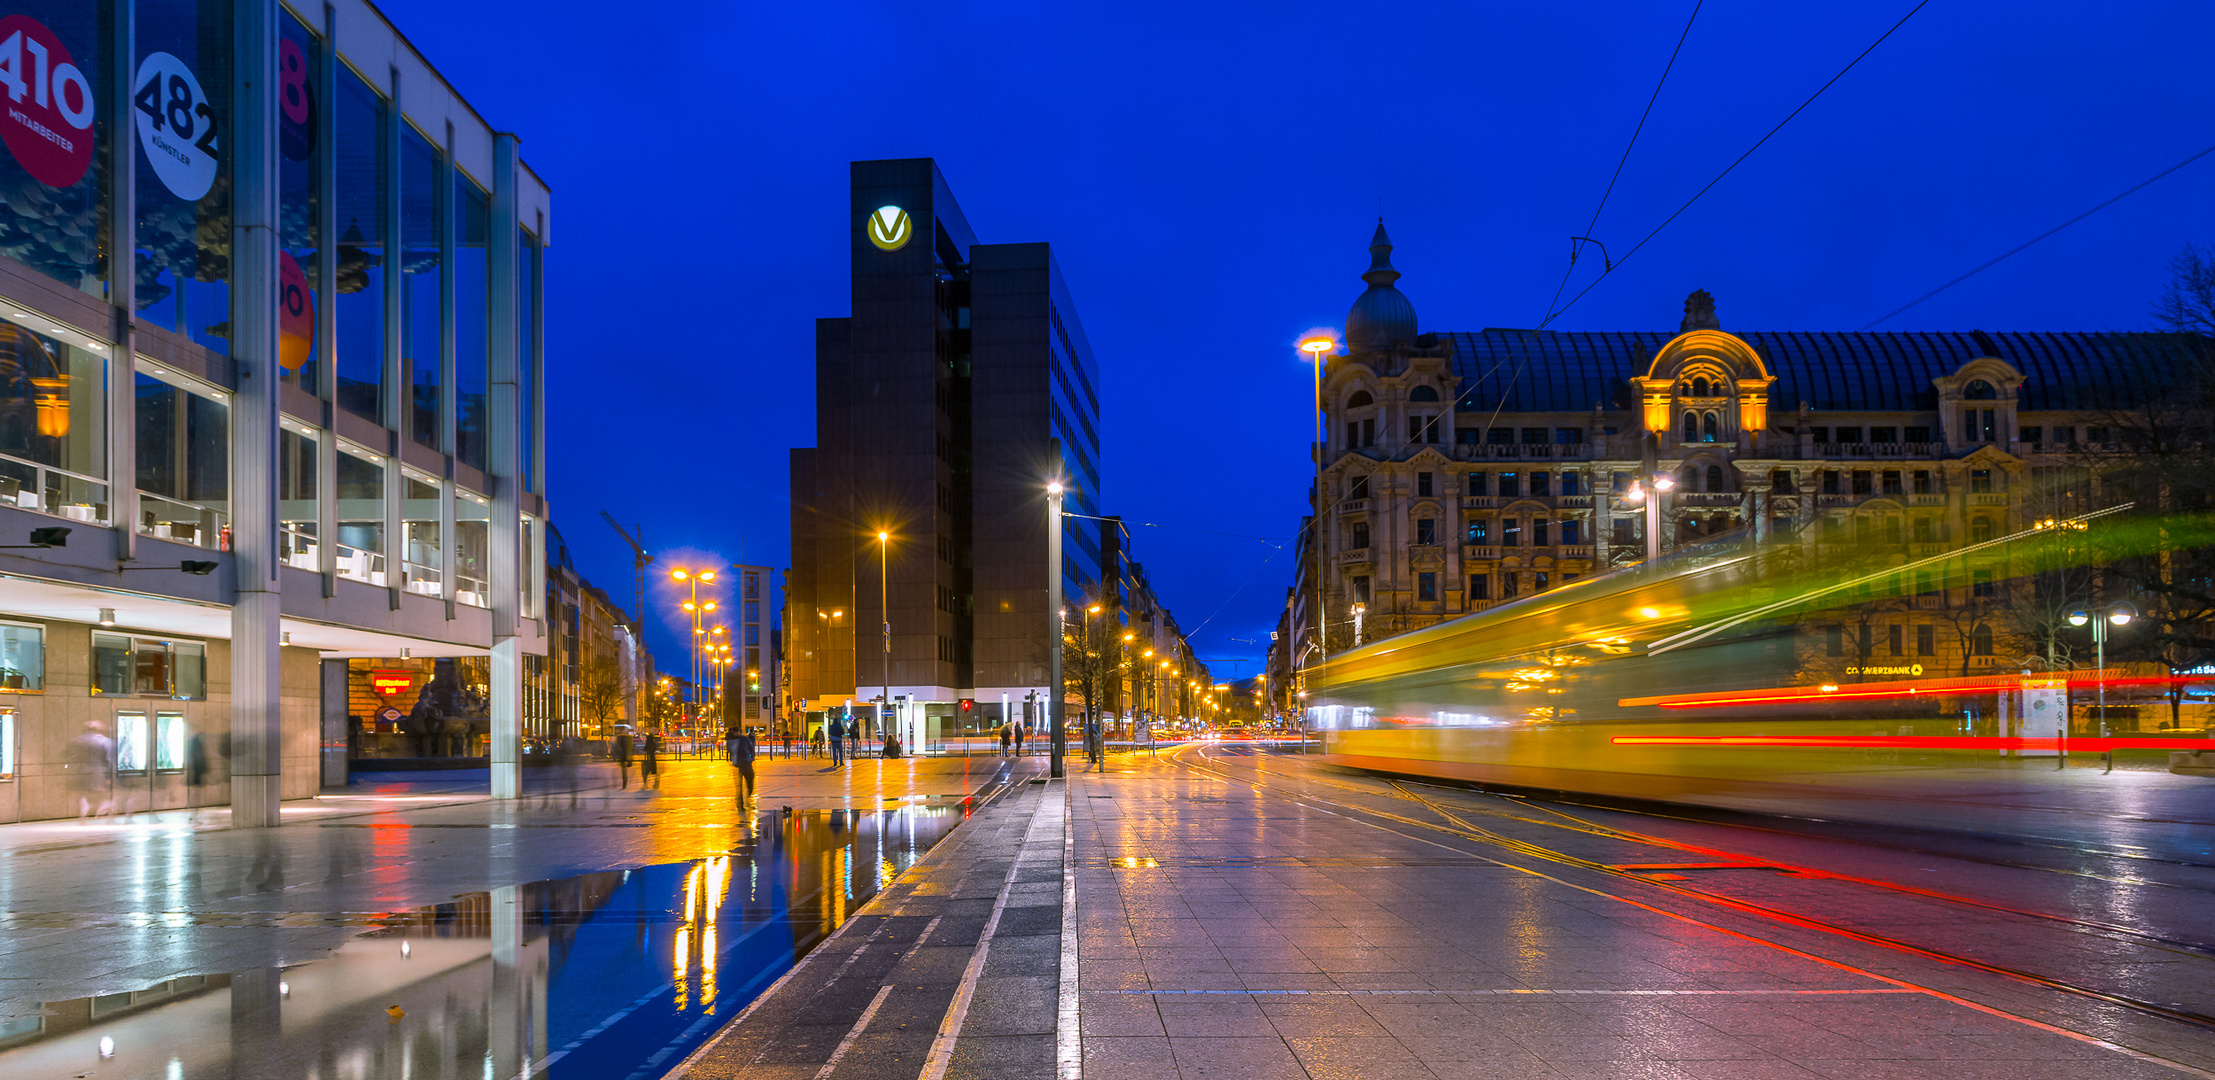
[890, 227]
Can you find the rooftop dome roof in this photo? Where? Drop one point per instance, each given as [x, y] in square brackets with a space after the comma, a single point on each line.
[1381, 316]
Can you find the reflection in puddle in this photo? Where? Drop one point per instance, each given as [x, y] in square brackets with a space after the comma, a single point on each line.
[608, 975]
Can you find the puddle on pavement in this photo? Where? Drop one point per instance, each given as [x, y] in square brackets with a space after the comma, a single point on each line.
[615, 975]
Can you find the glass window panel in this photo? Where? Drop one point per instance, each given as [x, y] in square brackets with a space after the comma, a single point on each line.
[296, 498]
[419, 520]
[53, 430]
[130, 741]
[169, 740]
[189, 662]
[360, 116]
[527, 579]
[56, 197]
[150, 667]
[472, 232]
[472, 534]
[299, 226]
[181, 109]
[183, 463]
[7, 760]
[361, 518]
[420, 208]
[526, 296]
[22, 657]
[111, 664]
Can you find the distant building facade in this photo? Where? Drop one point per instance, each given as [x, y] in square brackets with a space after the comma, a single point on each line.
[1465, 470]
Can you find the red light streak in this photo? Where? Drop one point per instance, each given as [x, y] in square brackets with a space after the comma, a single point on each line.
[2090, 744]
[1973, 684]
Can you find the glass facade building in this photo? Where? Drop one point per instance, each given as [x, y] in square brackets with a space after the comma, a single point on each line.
[270, 328]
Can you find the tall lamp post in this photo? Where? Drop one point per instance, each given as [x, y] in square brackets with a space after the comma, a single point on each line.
[884, 608]
[1660, 483]
[2117, 614]
[1317, 348]
[1057, 736]
[693, 606]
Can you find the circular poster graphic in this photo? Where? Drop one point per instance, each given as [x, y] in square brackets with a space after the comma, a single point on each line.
[176, 126]
[295, 313]
[47, 124]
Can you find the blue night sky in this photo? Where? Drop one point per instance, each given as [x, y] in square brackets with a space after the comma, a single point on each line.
[1209, 175]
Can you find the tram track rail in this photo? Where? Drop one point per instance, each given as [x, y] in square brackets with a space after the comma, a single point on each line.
[1454, 824]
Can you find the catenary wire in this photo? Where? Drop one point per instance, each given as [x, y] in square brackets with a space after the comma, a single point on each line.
[1758, 143]
[2018, 249]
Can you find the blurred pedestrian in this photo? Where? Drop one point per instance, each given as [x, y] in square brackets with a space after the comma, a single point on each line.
[622, 754]
[91, 768]
[1019, 738]
[649, 762]
[835, 729]
[1007, 735]
[196, 772]
[742, 759]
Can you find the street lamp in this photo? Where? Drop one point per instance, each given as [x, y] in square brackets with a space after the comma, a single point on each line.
[884, 608]
[2118, 614]
[1058, 736]
[1317, 346]
[695, 607]
[1360, 609]
[1661, 485]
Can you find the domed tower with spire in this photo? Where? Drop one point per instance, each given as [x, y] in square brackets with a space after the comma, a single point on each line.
[1381, 317]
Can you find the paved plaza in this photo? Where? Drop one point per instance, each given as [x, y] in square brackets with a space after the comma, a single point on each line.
[1204, 912]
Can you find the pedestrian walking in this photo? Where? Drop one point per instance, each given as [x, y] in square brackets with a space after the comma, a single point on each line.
[1006, 736]
[742, 747]
[1019, 726]
[835, 729]
[649, 762]
[91, 768]
[622, 754]
[196, 772]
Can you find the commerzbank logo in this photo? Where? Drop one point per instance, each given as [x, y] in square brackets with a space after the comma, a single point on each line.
[890, 227]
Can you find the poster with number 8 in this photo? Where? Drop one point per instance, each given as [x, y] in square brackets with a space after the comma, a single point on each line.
[176, 126]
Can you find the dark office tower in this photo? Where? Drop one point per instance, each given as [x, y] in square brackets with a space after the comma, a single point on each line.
[960, 385]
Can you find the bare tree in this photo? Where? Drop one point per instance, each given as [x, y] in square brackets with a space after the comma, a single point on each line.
[603, 685]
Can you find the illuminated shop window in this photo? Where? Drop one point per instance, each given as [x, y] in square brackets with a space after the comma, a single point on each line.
[169, 740]
[22, 657]
[130, 742]
[127, 665]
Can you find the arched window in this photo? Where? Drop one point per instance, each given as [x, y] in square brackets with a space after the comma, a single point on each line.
[1712, 425]
[1715, 478]
[1423, 393]
[1700, 387]
[1691, 427]
[1980, 642]
[1360, 398]
[1979, 390]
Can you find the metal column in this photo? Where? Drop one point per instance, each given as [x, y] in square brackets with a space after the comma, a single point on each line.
[503, 460]
[257, 752]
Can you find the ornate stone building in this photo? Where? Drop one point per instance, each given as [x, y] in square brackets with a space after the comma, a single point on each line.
[1463, 470]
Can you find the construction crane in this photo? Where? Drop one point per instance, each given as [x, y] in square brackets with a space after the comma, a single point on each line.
[640, 560]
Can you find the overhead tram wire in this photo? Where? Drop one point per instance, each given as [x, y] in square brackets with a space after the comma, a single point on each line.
[1741, 159]
[2018, 249]
[1625, 159]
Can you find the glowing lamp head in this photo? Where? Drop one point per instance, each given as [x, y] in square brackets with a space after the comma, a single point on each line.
[707, 575]
[678, 575]
[2121, 614]
[1053, 487]
[883, 537]
[1663, 483]
[1635, 494]
[1317, 345]
[1094, 609]
[2079, 618]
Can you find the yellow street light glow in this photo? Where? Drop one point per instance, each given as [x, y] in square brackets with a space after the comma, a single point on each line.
[688, 605]
[707, 575]
[1317, 345]
[1053, 487]
[883, 536]
[677, 574]
[1094, 609]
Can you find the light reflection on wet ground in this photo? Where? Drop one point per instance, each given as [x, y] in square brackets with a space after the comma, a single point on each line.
[611, 974]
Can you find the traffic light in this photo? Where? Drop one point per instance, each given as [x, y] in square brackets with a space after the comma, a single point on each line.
[968, 704]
